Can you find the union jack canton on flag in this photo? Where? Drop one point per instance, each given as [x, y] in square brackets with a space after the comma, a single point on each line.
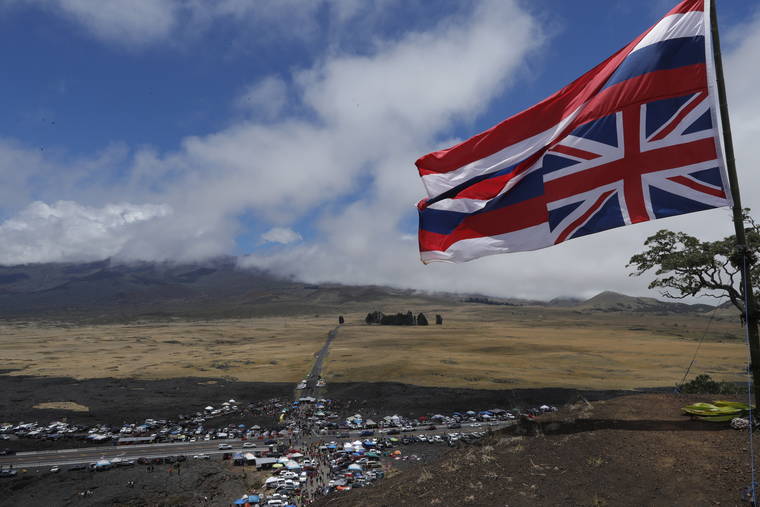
[637, 138]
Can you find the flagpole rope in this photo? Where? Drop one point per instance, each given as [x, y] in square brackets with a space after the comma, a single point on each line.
[750, 426]
[699, 345]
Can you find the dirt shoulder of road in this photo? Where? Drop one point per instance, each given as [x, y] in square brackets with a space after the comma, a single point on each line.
[632, 450]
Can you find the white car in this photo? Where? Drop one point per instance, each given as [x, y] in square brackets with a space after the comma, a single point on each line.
[55, 469]
[201, 456]
[223, 447]
[249, 444]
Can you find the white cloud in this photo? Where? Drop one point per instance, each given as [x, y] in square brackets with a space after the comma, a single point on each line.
[282, 235]
[67, 231]
[136, 22]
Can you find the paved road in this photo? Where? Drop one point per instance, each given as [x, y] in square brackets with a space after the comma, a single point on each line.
[316, 369]
[91, 454]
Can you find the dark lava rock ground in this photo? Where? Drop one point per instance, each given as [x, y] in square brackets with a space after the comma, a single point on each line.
[628, 451]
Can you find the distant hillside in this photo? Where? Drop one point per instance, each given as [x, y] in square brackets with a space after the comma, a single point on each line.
[609, 301]
[107, 291]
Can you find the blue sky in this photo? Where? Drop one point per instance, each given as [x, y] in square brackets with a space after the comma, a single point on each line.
[288, 130]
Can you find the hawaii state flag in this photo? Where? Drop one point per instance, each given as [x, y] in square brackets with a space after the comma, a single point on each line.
[635, 139]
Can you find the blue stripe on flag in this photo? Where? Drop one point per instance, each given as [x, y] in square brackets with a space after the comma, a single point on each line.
[445, 221]
[709, 176]
[665, 204]
[704, 122]
[661, 111]
[440, 221]
[558, 215]
[556, 162]
[664, 55]
[603, 130]
[608, 216]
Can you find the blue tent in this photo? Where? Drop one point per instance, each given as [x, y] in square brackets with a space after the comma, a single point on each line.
[240, 501]
[241, 425]
[254, 498]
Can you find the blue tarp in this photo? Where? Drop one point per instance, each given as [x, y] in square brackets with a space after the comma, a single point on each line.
[254, 498]
[240, 501]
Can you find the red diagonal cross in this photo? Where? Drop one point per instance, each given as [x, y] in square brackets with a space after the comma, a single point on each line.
[630, 168]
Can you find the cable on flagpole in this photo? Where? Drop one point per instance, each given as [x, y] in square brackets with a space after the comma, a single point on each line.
[750, 426]
[699, 345]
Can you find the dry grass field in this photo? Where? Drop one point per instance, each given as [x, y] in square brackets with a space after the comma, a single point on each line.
[496, 347]
[479, 346]
[256, 350]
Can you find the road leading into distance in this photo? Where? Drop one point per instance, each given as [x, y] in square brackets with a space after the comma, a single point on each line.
[316, 369]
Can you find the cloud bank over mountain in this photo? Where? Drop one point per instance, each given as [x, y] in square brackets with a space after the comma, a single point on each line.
[327, 146]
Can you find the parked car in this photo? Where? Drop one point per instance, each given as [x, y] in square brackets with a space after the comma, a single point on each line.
[224, 446]
[55, 469]
[201, 456]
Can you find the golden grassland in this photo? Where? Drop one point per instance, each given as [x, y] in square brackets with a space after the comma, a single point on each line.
[479, 346]
[63, 405]
[256, 350]
[501, 348]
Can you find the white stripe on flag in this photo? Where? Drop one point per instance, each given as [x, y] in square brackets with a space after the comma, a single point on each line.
[675, 26]
[530, 238]
[438, 183]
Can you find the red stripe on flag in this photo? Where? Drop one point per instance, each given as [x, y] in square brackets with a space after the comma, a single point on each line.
[688, 182]
[574, 152]
[511, 218]
[688, 6]
[661, 84]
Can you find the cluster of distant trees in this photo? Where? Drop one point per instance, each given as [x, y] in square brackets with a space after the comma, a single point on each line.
[486, 301]
[400, 319]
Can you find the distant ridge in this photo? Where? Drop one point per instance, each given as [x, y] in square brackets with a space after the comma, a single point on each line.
[609, 301]
[107, 291]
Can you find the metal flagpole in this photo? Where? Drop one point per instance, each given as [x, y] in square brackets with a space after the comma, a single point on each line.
[744, 260]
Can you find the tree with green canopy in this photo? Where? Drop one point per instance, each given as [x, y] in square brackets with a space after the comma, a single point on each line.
[685, 267]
